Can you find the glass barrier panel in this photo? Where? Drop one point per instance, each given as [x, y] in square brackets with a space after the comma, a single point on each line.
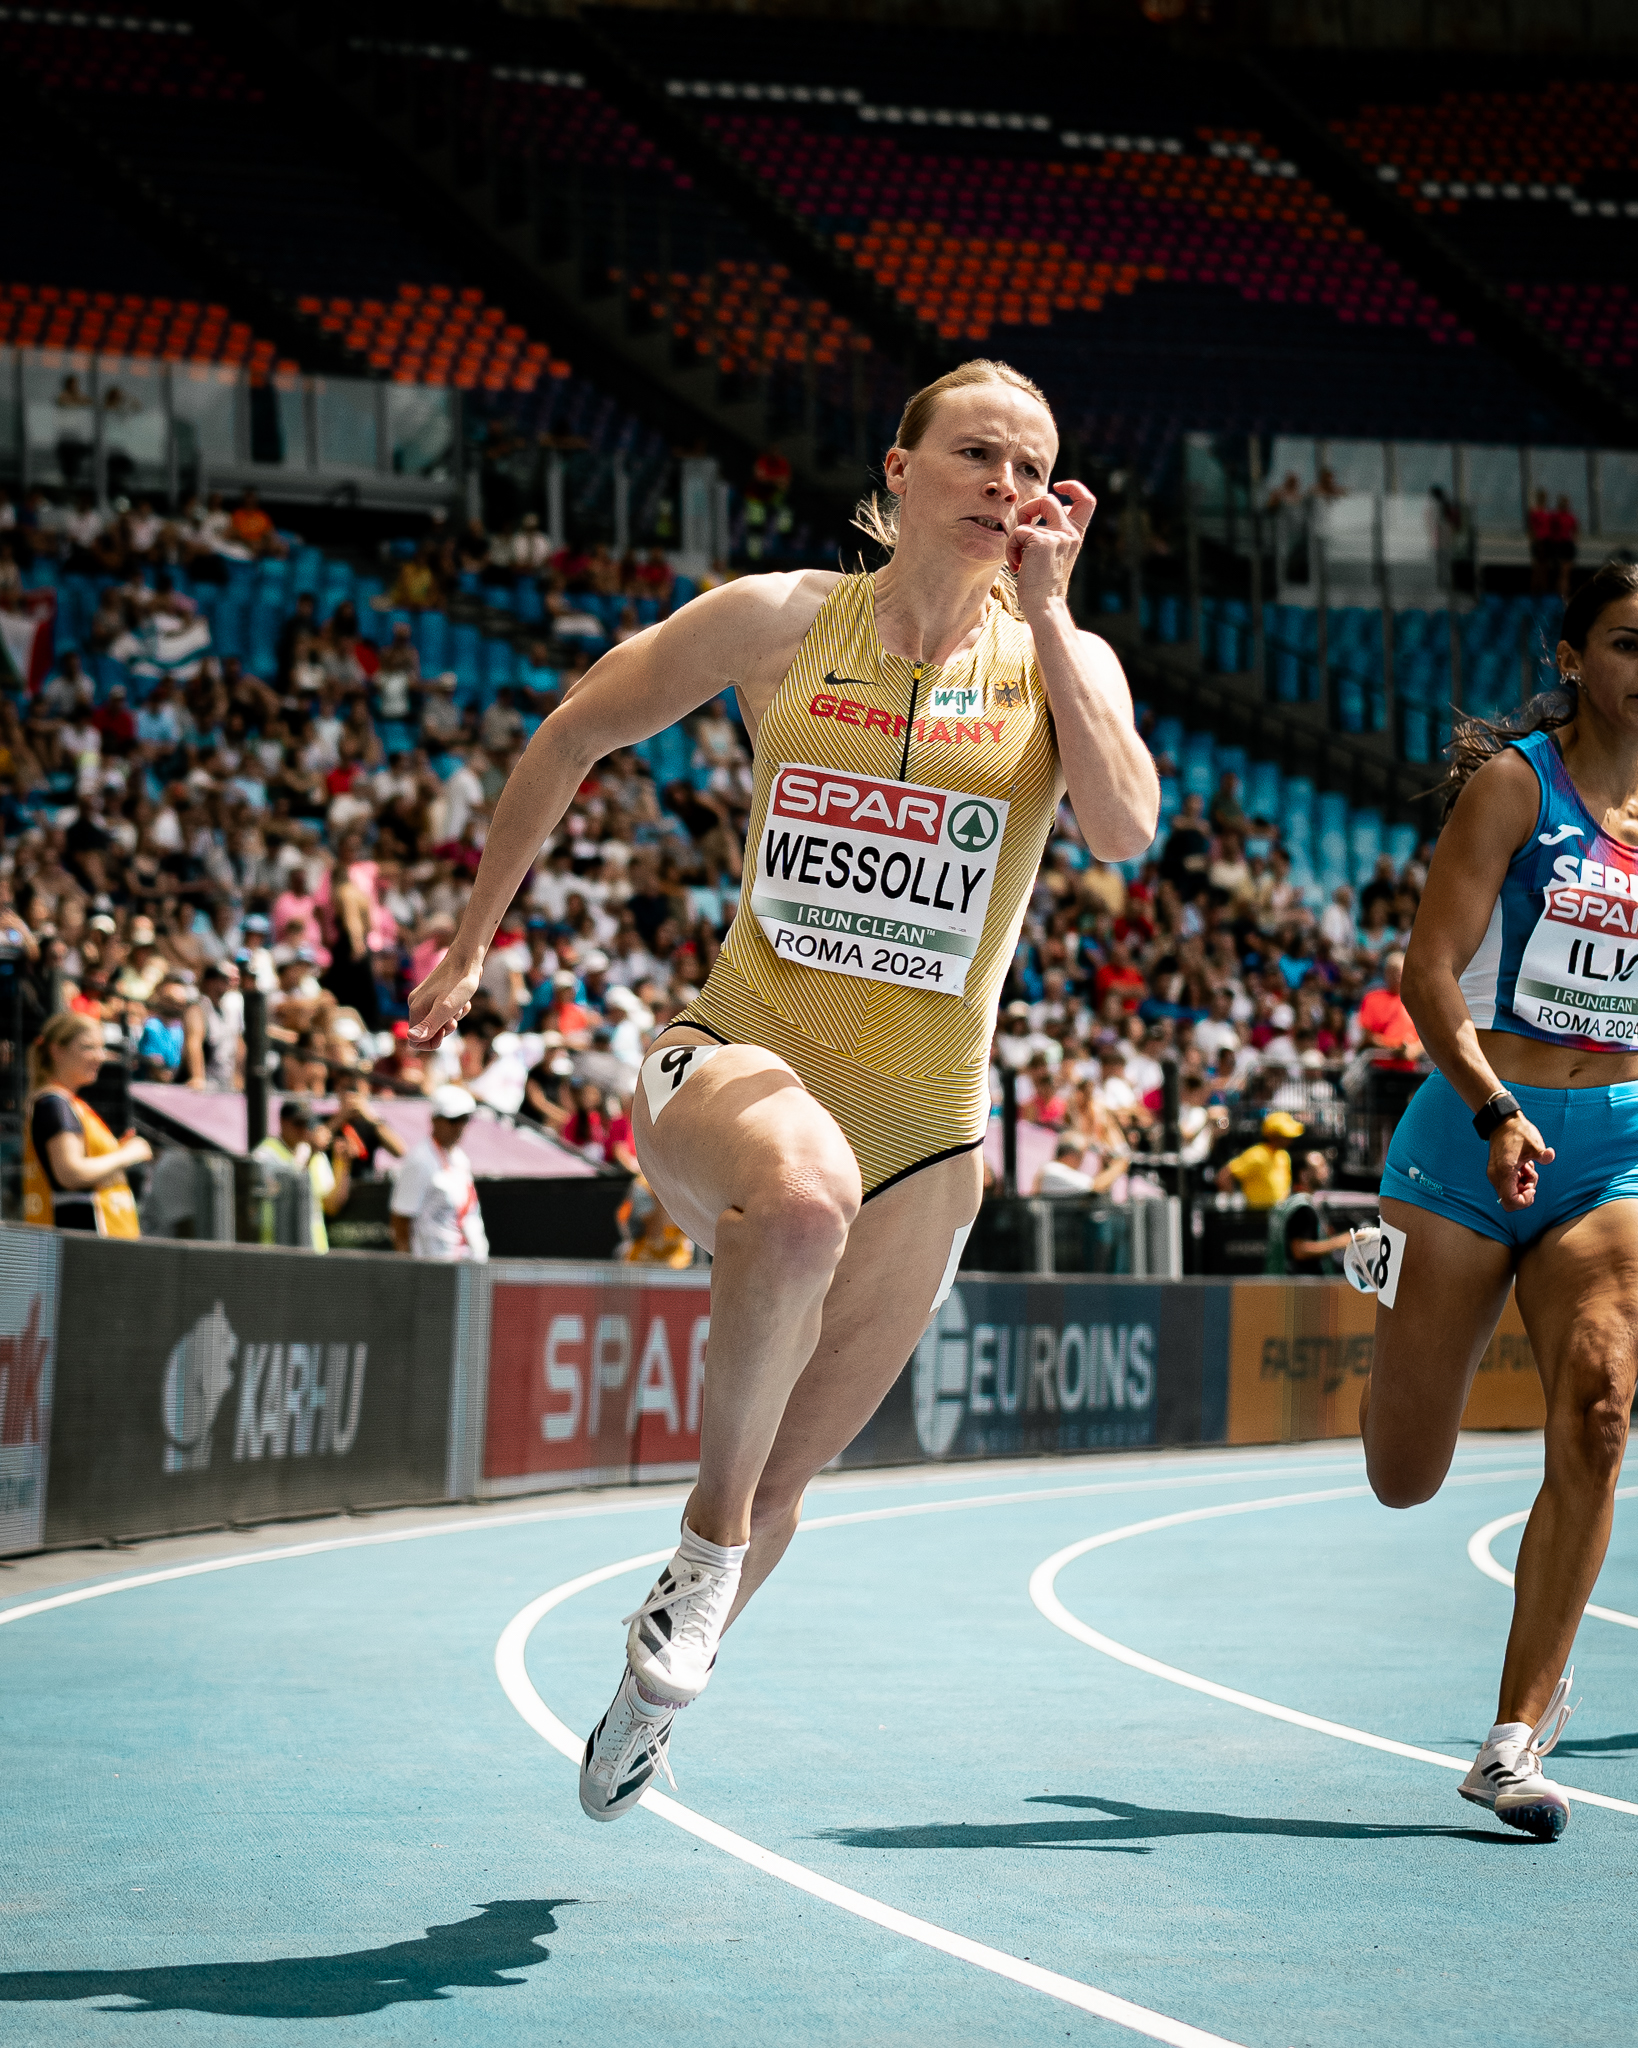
[1203, 467]
[1290, 456]
[421, 430]
[1358, 465]
[1495, 487]
[1348, 527]
[11, 417]
[345, 407]
[290, 401]
[205, 408]
[58, 419]
[135, 428]
[1561, 473]
[1410, 531]
[1618, 492]
[1422, 466]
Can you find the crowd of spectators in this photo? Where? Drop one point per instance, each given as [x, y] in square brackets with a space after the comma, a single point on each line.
[1273, 1009]
[313, 832]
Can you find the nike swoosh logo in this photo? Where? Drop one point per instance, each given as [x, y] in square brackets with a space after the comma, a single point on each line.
[1558, 838]
[836, 682]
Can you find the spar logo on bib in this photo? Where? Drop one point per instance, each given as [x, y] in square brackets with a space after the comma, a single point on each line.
[974, 826]
[885, 881]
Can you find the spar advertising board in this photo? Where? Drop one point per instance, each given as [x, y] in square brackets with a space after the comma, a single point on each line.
[596, 1373]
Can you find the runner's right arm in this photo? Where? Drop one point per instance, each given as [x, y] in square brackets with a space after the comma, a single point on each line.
[742, 635]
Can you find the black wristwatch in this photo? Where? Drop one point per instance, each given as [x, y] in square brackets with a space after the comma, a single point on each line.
[1495, 1113]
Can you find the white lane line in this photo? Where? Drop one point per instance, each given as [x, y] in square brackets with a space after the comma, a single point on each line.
[1043, 1591]
[99, 1589]
[513, 1674]
[1478, 1549]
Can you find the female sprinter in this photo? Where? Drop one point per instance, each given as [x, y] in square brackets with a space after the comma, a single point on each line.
[914, 731]
[1520, 979]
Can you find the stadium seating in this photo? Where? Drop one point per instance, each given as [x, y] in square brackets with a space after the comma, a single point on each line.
[1118, 232]
[1535, 184]
[127, 324]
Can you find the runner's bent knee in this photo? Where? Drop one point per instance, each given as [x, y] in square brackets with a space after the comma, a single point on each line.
[798, 1210]
[1589, 1411]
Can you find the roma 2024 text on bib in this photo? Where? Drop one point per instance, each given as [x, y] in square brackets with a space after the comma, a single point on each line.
[888, 881]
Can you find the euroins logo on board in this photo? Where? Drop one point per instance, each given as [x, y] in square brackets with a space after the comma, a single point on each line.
[988, 1385]
[295, 1400]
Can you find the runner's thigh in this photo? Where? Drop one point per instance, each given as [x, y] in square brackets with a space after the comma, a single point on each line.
[1578, 1295]
[1452, 1287]
[739, 1127]
[876, 1310]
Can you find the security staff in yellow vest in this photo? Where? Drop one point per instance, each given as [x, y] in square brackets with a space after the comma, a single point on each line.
[302, 1143]
[73, 1166]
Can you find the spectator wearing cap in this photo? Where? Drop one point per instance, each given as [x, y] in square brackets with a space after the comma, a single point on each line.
[1262, 1173]
[302, 1143]
[213, 1030]
[435, 1211]
[257, 967]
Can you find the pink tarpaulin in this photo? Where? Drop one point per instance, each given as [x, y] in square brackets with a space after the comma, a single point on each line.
[496, 1150]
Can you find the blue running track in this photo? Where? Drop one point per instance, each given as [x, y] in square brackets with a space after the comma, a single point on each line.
[949, 1785]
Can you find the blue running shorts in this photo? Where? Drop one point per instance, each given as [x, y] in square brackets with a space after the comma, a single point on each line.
[1436, 1162]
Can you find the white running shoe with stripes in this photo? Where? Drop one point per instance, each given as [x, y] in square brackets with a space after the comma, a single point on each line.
[622, 1753]
[673, 1637]
[1508, 1778]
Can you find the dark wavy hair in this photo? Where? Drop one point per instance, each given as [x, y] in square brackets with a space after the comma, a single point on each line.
[1477, 740]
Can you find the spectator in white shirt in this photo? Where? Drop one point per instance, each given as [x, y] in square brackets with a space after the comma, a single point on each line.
[1062, 1174]
[1337, 920]
[435, 1213]
[1215, 1034]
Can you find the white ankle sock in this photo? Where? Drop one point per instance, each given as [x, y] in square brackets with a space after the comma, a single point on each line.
[647, 1704]
[1507, 1731]
[698, 1549]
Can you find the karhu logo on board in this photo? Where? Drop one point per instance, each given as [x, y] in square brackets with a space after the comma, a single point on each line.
[295, 1400]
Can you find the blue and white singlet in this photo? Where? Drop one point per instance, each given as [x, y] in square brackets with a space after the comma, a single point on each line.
[1559, 961]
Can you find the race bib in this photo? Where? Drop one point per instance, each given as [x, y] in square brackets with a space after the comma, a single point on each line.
[885, 881]
[1577, 976]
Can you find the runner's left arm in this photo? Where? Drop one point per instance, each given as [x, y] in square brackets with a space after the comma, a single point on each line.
[1108, 771]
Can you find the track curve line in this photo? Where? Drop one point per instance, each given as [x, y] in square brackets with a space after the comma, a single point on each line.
[1043, 1591]
[519, 1688]
[1478, 1549]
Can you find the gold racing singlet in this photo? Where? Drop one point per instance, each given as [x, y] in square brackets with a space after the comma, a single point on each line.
[898, 818]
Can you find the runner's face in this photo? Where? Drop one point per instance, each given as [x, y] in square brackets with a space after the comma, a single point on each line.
[1608, 664]
[988, 450]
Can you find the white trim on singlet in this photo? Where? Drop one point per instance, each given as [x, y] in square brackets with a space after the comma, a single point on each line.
[1483, 973]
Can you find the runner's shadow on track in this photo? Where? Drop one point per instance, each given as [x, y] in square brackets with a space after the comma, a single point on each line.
[505, 1936]
[1127, 1830]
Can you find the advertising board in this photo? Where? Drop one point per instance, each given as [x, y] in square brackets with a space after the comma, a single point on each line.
[199, 1384]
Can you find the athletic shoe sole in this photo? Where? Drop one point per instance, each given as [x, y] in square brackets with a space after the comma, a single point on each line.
[1545, 1819]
